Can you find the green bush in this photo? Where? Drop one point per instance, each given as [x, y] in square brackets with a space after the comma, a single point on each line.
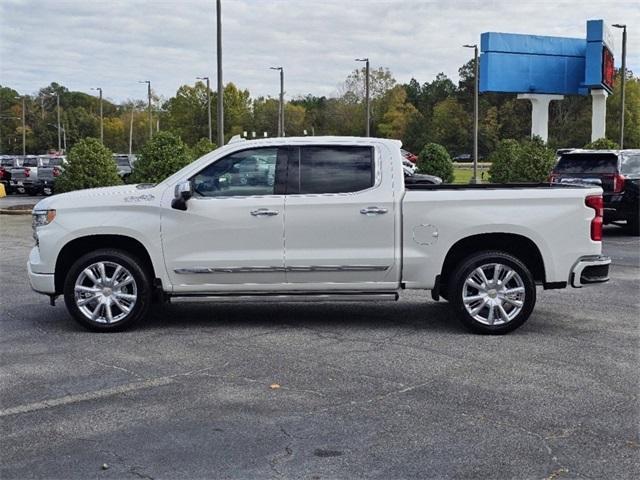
[160, 157]
[503, 161]
[202, 147]
[91, 165]
[435, 160]
[526, 161]
[602, 144]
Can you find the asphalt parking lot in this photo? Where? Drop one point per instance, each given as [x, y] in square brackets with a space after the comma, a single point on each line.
[388, 390]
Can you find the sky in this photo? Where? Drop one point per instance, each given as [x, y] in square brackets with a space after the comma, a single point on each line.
[115, 43]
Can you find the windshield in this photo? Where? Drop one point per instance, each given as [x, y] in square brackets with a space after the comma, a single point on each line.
[122, 161]
[30, 162]
[6, 162]
[630, 163]
[55, 162]
[587, 163]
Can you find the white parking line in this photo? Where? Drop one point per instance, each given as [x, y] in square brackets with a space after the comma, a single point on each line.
[83, 397]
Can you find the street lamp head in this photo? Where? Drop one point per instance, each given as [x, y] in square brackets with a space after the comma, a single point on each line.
[144, 81]
[470, 46]
[275, 68]
[362, 59]
[202, 78]
[619, 25]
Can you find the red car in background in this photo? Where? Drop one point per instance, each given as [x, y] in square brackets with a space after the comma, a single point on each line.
[413, 158]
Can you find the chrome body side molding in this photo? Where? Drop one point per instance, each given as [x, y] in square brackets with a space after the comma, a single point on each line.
[296, 269]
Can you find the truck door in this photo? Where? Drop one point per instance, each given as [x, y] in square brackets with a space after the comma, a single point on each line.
[340, 218]
[231, 235]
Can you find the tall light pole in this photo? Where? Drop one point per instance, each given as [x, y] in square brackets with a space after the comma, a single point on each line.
[624, 74]
[281, 103]
[475, 112]
[101, 119]
[366, 93]
[148, 82]
[24, 129]
[208, 104]
[59, 127]
[133, 107]
[220, 99]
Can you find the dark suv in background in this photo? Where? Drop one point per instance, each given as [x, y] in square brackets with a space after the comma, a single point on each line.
[616, 171]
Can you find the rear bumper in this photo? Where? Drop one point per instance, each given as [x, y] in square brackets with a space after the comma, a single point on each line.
[590, 269]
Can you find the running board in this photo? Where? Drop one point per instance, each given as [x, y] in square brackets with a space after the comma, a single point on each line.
[288, 297]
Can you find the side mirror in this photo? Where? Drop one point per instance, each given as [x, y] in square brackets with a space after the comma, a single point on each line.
[182, 194]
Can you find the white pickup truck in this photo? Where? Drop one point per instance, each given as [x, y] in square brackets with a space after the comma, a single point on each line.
[314, 219]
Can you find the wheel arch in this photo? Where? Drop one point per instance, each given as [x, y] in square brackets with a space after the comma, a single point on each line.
[519, 246]
[85, 244]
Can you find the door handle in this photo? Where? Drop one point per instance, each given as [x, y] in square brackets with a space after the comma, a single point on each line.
[373, 211]
[264, 212]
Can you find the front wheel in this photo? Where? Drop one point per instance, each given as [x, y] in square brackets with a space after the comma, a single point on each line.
[107, 290]
[492, 292]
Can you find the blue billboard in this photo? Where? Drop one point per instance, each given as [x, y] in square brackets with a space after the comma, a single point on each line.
[516, 63]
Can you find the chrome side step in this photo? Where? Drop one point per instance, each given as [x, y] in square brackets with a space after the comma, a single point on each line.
[289, 297]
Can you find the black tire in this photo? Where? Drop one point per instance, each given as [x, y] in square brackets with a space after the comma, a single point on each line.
[141, 289]
[523, 279]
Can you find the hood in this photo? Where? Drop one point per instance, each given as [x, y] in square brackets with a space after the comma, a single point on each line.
[102, 197]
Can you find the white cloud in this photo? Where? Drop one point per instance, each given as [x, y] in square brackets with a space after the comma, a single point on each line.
[113, 44]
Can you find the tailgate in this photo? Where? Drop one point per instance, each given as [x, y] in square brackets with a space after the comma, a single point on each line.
[585, 168]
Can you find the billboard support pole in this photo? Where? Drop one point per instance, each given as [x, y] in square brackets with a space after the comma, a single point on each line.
[540, 112]
[598, 114]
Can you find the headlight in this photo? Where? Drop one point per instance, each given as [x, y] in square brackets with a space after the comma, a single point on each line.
[43, 217]
[40, 218]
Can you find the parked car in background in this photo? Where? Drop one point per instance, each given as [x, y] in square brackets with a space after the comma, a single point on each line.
[48, 173]
[6, 164]
[463, 158]
[124, 164]
[616, 171]
[412, 157]
[24, 178]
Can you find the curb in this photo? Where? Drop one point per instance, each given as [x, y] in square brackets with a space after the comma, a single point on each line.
[6, 211]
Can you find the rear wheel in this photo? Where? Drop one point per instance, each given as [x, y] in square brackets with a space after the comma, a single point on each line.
[107, 290]
[492, 292]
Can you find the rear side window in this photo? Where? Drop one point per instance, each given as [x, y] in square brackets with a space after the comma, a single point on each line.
[335, 169]
[587, 163]
[630, 163]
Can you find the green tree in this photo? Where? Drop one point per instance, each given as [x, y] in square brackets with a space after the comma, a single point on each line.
[160, 157]
[435, 160]
[602, 144]
[503, 161]
[450, 126]
[535, 162]
[398, 113]
[202, 147]
[91, 165]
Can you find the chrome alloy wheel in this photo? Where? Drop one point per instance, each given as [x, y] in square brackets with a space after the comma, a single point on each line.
[105, 292]
[493, 294]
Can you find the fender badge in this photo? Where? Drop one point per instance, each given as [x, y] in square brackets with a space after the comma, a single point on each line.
[139, 198]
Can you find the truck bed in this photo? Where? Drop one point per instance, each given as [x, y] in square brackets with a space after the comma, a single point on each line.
[489, 186]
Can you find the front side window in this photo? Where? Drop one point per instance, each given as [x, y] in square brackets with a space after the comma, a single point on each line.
[335, 169]
[244, 173]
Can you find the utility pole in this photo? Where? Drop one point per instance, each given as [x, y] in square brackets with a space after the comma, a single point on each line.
[133, 107]
[24, 129]
[281, 102]
[474, 179]
[220, 99]
[366, 95]
[622, 82]
[101, 119]
[59, 127]
[148, 82]
[208, 104]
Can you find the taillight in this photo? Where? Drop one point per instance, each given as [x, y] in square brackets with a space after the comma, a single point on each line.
[56, 171]
[618, 183]
[552, 178]
[1, 172]
[27, 171]
[595, 202]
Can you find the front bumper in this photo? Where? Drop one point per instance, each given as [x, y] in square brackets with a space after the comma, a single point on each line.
[42, 282]
[590, 269]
